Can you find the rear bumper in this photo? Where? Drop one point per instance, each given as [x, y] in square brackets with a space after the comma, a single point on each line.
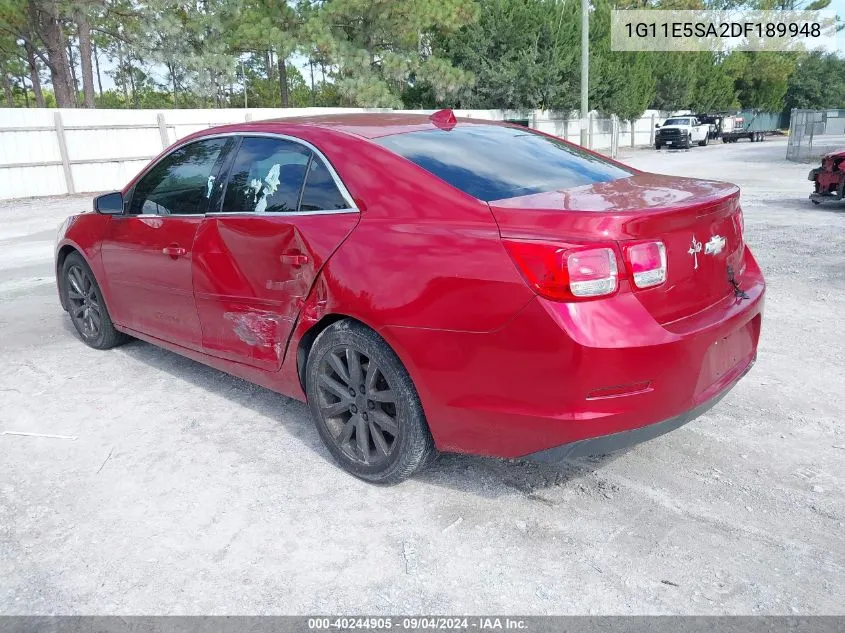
[561, 373]
[625, 439]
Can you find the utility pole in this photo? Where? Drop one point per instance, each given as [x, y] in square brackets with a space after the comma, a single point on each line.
[585, 69]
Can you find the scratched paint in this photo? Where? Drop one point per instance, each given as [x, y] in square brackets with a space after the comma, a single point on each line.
[259, 329]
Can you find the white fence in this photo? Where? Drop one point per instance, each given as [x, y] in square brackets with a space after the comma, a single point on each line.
[52, 152]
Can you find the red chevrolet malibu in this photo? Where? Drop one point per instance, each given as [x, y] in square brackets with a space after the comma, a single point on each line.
[427, 284]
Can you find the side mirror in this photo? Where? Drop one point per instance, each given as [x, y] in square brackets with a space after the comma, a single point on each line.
[109, 203]
[656, 125]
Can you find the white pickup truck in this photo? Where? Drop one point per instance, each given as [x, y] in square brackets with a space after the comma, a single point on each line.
[681, 131]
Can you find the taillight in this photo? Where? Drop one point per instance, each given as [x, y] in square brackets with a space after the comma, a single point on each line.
[592, 273]
[648, 263]
[568, 272]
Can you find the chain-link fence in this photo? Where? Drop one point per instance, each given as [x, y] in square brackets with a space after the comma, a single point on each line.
[814, 133]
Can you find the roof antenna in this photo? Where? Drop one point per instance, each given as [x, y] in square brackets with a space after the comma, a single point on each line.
[444, 119]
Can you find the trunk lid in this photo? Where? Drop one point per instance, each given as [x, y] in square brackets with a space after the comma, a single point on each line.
[699, 222]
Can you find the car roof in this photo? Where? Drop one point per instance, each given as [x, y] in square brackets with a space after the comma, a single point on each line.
[365, 124]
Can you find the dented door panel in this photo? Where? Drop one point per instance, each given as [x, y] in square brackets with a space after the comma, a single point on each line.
[252, 275]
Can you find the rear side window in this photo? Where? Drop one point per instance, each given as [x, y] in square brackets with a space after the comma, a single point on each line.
[494, 162]
[180, 183]
[266, 177]
[321, 193]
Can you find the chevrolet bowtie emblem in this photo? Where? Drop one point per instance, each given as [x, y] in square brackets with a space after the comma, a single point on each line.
[715, 245]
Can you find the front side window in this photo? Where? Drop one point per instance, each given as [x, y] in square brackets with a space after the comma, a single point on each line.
[494, 162]
[266, 177]
[181, 183]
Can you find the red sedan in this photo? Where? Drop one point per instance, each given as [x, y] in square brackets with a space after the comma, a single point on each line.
[427, 284]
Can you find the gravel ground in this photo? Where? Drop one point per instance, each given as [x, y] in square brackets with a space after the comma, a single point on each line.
[187, 491]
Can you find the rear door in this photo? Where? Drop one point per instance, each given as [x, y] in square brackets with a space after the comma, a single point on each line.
[147, 253]
[283, 212]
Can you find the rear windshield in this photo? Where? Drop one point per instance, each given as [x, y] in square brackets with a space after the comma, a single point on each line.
[494, 162]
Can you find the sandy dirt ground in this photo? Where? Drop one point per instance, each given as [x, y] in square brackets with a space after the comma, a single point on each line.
[187, 491]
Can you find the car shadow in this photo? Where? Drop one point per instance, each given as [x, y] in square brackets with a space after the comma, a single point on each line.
[803, 204]
[482, 476]
[491, 477]
[290, 414]
[830, 206]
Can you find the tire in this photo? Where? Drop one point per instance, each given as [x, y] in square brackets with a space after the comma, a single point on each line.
[688, 142]
[658, 146]
[86, 306]
[703, 143]
[383, 439]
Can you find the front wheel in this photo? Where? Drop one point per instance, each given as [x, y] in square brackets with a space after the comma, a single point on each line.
[658, 146]
[365, 406]
[688, 141]
[86, 305]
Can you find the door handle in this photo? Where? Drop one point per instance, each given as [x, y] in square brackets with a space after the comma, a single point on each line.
[294, 259]
[174, 251]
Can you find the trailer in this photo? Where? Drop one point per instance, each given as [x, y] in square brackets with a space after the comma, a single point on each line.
[751, 124]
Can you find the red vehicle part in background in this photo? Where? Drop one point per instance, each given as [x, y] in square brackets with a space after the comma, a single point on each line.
[829, 179]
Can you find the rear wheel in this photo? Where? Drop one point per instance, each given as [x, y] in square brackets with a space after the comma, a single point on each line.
[86, 306]
[365, 406]
[703, 142]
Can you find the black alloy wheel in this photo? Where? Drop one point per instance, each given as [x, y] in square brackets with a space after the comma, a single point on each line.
[84, 303]
[358, 406]
[365, 406]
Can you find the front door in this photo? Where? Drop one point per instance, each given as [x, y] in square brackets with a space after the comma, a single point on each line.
[147, 252]
[282, 216]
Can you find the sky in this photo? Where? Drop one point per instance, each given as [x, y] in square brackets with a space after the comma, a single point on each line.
[160, 73]
[839, 7]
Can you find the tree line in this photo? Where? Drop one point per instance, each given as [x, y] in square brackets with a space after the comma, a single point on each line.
[510, 54]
